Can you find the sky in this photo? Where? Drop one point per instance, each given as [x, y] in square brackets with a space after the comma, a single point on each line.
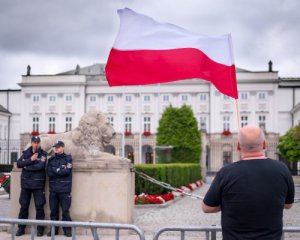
[54, 36]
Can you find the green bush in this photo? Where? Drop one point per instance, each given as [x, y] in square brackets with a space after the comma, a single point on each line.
[289, 144]
[174, 174]
[6, 168]
[178, 128]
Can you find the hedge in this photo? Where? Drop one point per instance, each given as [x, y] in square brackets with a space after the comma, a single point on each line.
[177, 174]
[6, 168]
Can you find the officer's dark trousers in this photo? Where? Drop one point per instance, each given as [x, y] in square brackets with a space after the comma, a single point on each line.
[64, 201]
[39, 202]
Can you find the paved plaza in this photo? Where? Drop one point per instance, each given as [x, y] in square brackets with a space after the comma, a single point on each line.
[183, 212]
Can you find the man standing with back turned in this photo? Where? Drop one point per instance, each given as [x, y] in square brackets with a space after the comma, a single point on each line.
[252, 193]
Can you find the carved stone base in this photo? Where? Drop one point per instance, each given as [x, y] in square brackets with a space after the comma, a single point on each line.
[102, 191]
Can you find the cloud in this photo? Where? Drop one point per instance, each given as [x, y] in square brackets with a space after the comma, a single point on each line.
[59, 34]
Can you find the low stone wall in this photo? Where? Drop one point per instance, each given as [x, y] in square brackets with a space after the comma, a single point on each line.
[102, 191]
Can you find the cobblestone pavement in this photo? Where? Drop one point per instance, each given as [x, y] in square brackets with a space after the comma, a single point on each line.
[183, 212]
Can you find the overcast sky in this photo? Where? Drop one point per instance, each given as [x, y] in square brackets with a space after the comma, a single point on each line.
[54, 36]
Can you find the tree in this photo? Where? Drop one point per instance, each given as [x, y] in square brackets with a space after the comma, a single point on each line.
[289, 144]
[179, 128]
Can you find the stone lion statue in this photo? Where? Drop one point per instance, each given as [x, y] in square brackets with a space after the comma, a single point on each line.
[85, 141]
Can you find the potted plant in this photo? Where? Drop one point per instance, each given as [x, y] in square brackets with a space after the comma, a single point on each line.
[146, 133]
[35, 133]
[127, 133]
[226, 133]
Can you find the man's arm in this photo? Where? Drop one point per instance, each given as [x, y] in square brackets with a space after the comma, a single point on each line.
[208, 209]
[212, 199]
[288, 206]
[62, 170]
[290, 197]
[24, 160]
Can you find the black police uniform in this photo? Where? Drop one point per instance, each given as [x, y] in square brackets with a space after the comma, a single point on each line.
[33, 179]
[59, 170]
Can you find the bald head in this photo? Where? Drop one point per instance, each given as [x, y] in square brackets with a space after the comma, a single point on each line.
[251, 139]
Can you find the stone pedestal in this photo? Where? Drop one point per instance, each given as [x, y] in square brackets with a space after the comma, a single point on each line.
[102, 191]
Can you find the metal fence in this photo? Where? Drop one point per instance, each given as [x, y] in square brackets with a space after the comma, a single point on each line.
[211, 232]
[9, 151]
[91, 225]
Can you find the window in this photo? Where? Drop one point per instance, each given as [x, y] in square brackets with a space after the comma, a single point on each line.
[225, 97]
[226, 123]
[243, 95]
[110, 98]
[244, 120]
[128, 98]
[52, 98]
[111, 120]
[35, 124]
[227, 154]
[147, 124]
[147, 98]
[203, 97]
[5, 132]
[184, 98]
[262, 122]
[68, 124]
[51, 124]
[69, 98]
[203, 123]
[262, 95]
[128, 124]
[93, 98]
[166, 98]
[35, 98]
[0, 131]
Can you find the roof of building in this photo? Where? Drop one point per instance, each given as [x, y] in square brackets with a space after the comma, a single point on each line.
[3, 109]
[99, 69]
[289, 82]
[95, 69]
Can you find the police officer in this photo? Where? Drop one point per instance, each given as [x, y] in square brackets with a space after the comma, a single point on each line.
[59, 170]
[33, 163]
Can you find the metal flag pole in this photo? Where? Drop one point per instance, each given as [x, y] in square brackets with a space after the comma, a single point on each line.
[140, 126]
[238, 113]
[123, 123]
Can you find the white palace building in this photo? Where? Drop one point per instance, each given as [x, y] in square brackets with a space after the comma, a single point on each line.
[55, 103]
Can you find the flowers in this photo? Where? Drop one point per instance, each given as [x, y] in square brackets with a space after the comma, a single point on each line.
[226, 132]
[127, 133]
[163, 198]
[146, 133]
[153, 199]
[51, 132]
[5, 182]
[35, 133]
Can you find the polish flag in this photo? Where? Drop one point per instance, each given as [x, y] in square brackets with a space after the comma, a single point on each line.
[149, 52]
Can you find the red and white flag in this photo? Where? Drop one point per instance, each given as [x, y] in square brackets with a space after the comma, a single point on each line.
[149, 52]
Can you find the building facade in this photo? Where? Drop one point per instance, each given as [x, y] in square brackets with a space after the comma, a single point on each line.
[55, 103]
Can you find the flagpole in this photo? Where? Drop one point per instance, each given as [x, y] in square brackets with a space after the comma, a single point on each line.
[140, 126]
[236, 100]
[123, 121]
[157, 122]
[238, 113]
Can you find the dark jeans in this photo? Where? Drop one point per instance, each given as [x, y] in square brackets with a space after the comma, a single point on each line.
[39, 202]
[64, 201]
